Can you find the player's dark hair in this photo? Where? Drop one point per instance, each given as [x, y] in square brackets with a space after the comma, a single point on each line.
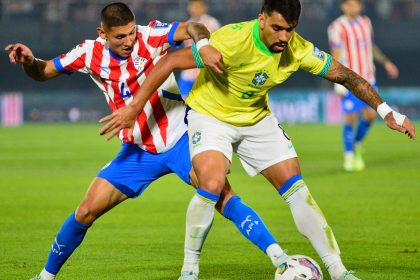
[344, 1]
[116, 14]
[289, 9]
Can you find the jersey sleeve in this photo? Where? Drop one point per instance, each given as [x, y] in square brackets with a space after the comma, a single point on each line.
[74, 60]
[161, 35]
[313, 60]
[334, 36]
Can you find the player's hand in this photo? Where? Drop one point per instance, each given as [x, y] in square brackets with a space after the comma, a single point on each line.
[212, 58]
[407, 127]
[122, 118]
[391, 69]
[19, 53]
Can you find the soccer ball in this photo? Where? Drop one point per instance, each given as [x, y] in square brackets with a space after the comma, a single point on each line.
[298, 267]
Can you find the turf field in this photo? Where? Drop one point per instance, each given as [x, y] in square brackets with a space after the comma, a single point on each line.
[45, 171]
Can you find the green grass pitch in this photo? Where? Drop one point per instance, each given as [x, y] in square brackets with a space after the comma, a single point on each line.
[45, 171]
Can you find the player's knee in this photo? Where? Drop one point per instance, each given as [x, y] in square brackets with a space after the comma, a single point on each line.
[85, 215]
[213, 185]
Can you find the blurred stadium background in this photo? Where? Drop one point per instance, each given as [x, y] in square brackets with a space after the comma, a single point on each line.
[52, 27]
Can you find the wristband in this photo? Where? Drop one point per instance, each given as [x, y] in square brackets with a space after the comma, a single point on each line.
[197, 57]
[383, 110]
[201, 43]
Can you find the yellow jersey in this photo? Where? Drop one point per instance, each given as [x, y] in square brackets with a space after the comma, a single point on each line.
[240, 96]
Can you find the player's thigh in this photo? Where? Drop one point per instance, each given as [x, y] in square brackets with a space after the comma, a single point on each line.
[207, 133]
[264, 144]
[179, 161]
[134, 169]
[368, 114]
[210, 144]
[100, 198]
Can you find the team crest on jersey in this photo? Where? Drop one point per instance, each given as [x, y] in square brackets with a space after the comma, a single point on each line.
[260, 78]
[139, 62]
[196, 138]
[318, 53]
[161, 25]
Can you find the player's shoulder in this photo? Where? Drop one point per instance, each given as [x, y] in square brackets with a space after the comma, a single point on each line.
[337, 22]
[298, 42]
[234, 31]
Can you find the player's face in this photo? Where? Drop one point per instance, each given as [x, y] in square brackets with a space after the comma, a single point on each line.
[352, 8]
[120, 39]
[275, 31]
[196, 9]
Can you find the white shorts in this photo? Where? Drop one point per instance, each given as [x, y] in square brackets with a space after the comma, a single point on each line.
[258, 146]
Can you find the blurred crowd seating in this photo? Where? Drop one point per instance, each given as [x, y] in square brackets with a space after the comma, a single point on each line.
[68, 11]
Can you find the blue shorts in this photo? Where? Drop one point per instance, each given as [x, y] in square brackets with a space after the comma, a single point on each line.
[134, 169]
[352, 104]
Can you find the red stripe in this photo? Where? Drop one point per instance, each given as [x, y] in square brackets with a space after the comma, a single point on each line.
[114, 76]
[368, 39]
[366, 42]
[146, 135]
[347, 41]
[157, 41]
[97, 56]
[359, 57]
[158, 109]
[77, 64]
[160, 116]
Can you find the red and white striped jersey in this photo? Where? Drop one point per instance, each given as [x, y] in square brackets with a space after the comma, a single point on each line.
[161, 124]
[354, 39]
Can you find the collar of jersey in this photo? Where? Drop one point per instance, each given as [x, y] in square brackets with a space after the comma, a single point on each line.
[116, 56]
[257, 40]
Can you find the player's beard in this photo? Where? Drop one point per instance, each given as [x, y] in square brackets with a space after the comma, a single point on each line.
[273, 47]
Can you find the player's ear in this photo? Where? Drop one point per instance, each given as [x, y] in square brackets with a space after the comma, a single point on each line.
[101, 32]
[261, 20]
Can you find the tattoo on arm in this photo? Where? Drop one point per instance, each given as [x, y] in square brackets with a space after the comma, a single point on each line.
[355, 83]
[197, 31]
[35, 70]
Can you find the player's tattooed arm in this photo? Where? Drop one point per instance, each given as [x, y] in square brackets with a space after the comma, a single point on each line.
[340, 74]
[197, 31]
[35, 68]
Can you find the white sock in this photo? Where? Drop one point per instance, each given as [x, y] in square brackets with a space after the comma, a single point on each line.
[200, 215]
[276, 254]
[45, 275]
[312, 224]
[349, 156]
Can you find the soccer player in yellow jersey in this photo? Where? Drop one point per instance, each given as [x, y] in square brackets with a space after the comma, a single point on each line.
[230, 113]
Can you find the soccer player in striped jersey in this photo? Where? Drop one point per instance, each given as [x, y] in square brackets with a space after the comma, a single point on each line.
[118, 62]
[230, 113]
[351, 42]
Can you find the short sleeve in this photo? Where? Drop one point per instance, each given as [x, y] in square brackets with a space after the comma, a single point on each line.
[161, 35]
[74, 60]
[314, 60]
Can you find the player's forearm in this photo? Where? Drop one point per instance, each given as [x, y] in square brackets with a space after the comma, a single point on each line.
[181, 59]
[355, 83]
[35, 69]
[197, 31]
[379, 56]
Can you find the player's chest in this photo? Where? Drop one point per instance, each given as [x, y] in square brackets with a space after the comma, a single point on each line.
[262, 73]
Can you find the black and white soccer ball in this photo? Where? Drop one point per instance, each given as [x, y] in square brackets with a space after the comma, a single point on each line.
[298, 267]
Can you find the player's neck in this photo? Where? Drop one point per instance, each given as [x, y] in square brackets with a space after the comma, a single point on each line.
[350, 17]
